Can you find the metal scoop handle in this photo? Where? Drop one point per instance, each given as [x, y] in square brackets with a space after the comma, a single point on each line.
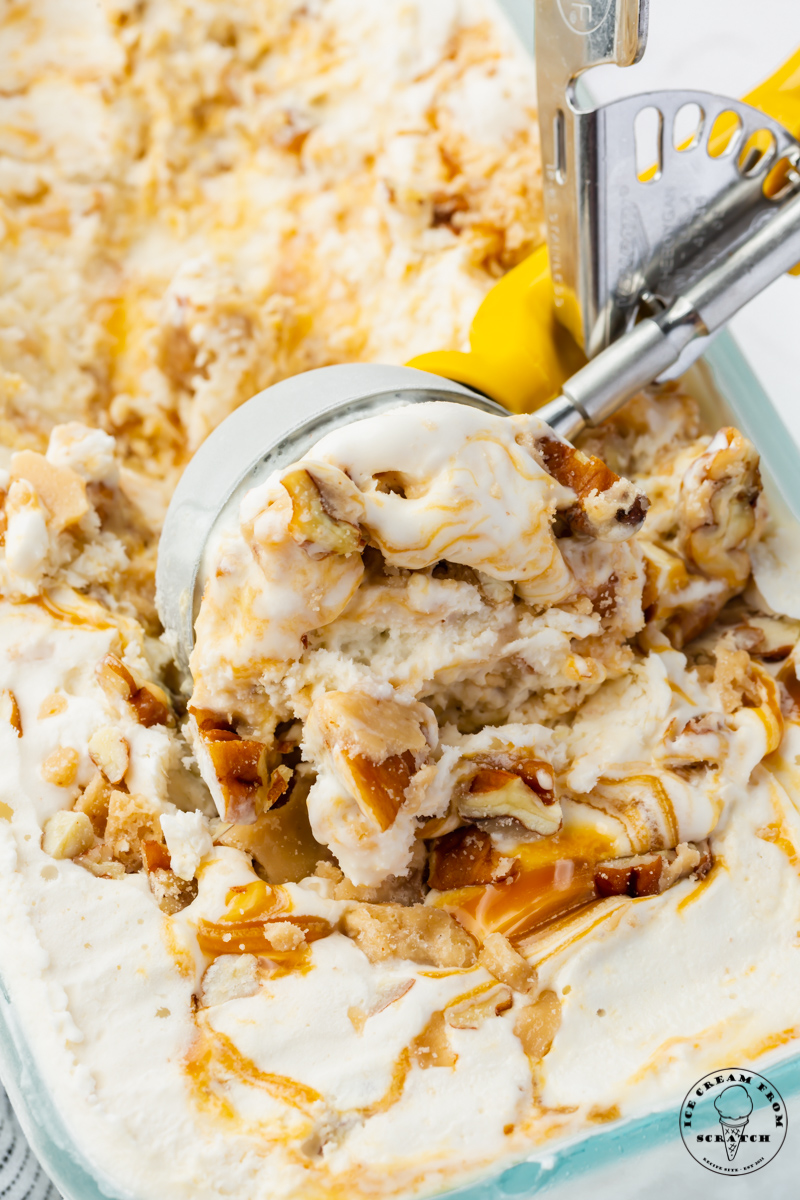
[656, 343]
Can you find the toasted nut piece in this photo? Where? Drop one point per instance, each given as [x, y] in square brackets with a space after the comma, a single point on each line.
[115, 678]
[150, 704]
[94, 802]
[52, 705]
[108, 750]
[67, 834]
[498, 793]
[637, 876]
[431, 1047]
[155, 857]
[148, 701]
[465, 858]
[312, 524]
[97, 862]
[471, 1013]
[537, 1024]
[649, 874]
[375, 747]
[172, 894]
[500, 959]
[60, 767]
[379, 788]
[61, 490]
[608, 507]
[230, 977]
[9, 710]
[374, 728]
[132, 820]
[240, 767]
[420, 933]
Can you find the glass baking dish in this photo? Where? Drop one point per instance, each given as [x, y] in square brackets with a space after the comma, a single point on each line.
[624, 1161]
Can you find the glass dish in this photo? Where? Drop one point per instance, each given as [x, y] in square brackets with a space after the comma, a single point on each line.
[624, 1162]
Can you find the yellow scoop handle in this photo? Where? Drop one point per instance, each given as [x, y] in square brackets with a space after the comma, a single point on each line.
[520, 354]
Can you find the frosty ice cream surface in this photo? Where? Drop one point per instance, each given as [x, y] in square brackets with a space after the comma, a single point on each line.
[476, 830]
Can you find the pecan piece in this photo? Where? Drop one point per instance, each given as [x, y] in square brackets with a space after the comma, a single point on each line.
[465, 858]
[638, 876]
[374, 746]
[650, 874]
[525, 793]
[379, 788]
[500, 959]
[313, 524]
[109, 752]
[67, 834]
[148, 701]
[609, 507]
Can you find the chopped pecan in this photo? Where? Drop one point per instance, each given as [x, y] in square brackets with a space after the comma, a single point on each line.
[524, 792]
[94, 802]
[172, 894]
[148, 701]
[420, 933]
[650, 874]
[67, 834]
[609, 507]
[638, 876]
[312, 523]
[375, 747]
[379, 788]
[500, 959]
[465, 858]
[247, 790]
[108, 751]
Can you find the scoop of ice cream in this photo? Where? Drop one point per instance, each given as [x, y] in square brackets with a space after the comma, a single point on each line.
[734, 1103]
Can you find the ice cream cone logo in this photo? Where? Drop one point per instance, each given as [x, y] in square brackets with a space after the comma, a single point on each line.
[733, 1121]
[734, 1107]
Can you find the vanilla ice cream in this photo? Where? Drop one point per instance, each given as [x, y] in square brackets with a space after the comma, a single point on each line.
[475, 826]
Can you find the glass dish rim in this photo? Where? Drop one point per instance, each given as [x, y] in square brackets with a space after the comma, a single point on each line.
[722, 370]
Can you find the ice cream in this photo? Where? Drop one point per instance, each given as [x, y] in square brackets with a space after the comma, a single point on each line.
[429, 871]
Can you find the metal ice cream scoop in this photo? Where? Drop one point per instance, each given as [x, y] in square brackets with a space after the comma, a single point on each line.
[654, 245]
[274, 428]
[647, 262]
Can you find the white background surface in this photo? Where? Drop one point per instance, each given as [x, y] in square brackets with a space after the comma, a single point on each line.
[725, 46]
